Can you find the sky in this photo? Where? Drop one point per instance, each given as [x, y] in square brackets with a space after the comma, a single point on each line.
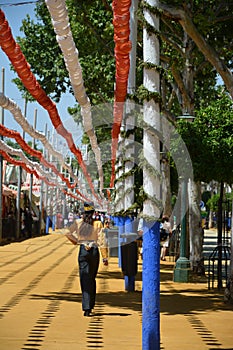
[15, 11]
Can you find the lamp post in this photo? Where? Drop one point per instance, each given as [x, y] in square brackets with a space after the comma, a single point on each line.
[182, 267]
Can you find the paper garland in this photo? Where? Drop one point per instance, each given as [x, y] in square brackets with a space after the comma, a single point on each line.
[121, 17]
[61, 25]
[121, 22]
[15, 55]
[10, 105]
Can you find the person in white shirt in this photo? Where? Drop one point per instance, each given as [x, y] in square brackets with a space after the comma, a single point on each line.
[88, 233]
[166, 226]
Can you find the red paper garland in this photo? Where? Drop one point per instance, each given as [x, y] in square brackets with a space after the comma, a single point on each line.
[25, 167]
[121, 22]
[18, 60]
[4, 131]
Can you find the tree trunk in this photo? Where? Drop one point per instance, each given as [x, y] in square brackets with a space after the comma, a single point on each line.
[228, 294]
[166, 189]
[210, 220]
[220, 236]
[208, 51]
[151, 186]
[195, 229]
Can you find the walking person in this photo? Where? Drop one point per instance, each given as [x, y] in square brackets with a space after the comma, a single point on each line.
[165, 232]
[88, 233]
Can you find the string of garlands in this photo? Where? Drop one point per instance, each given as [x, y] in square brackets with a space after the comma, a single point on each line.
[157, 202]
[163, 72]
[132, 208]
[70, 194]
[4, 131]
[149, 28]
[121, 23]
[152, 171]
[144, 94]
[121, 188]
[129, 159]
[144, 5]
[21, 66]
[125, 175]
[157, 67]
[20, 155]
[61, 25]
[129, 212]
[10, 105]
[143, 163]
[26, 167]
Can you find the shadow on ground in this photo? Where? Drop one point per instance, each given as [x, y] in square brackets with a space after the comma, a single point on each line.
[174, 298]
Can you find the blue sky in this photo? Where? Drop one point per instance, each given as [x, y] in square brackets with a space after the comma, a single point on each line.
[15, 11]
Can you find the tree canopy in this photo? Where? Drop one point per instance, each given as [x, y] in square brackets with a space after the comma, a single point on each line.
[209, 139]
[92, 29]
[195, 48]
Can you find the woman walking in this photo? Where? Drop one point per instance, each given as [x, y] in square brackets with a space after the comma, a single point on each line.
[166, 228]
[89, 234]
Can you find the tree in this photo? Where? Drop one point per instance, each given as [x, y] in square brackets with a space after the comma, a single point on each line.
[211, 150]
[92, 29]
[151, 186]
[192, 52]
[191, 47]
[207, 23]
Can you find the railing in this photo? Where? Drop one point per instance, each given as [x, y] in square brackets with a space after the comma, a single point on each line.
[213, 265]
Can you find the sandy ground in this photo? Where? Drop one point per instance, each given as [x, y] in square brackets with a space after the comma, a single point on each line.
[40, 304]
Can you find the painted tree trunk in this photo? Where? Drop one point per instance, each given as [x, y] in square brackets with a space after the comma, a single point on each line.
[130, 108]
[151, 186]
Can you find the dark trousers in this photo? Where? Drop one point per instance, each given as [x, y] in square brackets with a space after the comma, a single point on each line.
[88, 267]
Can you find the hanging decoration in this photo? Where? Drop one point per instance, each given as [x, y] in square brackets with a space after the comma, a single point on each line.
[16, 135]
[10, 105]
[121, 22]
[26, 167]
[15, 55]
[61, 25]
[72, 195]
[34, 165]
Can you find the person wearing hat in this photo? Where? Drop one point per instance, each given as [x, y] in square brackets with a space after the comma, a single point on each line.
[89, 234]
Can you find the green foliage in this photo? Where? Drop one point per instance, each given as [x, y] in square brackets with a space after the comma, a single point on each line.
[92, 30]
[212, 203]
[15, 145]
[190, 77]
[209, 140]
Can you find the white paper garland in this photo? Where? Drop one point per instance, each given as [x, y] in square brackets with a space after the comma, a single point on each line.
[10, 105]
[33, 165]
[60, 21]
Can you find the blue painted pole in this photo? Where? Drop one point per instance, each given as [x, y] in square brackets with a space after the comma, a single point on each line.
[47, 224]
[129, 280]
[53, 222]
[120, 224]
[151, 287]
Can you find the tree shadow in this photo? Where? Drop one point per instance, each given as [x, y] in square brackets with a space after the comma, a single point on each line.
[175, 299]
[124, 300]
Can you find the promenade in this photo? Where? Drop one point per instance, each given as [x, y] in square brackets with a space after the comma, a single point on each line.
[40, 304]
